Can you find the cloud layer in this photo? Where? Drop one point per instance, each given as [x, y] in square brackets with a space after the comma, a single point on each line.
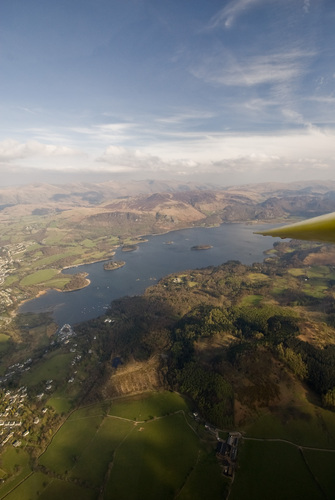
[225, 91]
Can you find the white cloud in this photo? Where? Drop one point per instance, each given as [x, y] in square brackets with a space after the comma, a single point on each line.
[119, 159]
[287, 146]
[14, 150]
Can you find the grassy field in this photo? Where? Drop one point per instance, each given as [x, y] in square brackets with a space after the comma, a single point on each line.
[322, 466]
[269, 469]
[147, 439]
[60, 403]
[69, 443]
[304, 425]
[144, 408]
[56, 367]
[39, 277]
[204, 481]
[251, 300]
[159, 456]
[15, 468]
[273, 471]
[40, 486]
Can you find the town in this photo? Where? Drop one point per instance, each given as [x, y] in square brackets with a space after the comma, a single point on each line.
[24, 413]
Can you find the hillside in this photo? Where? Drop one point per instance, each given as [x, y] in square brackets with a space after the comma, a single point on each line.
[251, 347]
[170, 199]
[45, 228]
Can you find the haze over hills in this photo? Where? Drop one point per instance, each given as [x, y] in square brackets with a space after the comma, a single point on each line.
[168, 205]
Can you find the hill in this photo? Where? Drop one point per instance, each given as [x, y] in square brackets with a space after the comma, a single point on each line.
[252, 347]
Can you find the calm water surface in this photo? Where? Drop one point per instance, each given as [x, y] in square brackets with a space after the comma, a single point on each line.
[159, 256]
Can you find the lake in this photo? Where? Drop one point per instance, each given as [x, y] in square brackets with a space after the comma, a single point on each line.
[159, 256]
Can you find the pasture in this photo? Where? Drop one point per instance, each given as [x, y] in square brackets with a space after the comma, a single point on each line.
[322, 466]
[55, 367]
[60, 403]
[148, 439]
[145, 407]
[14, 467]
[302, 424]
[273, 471]
[251, 300]
[39, 277]
[38, 485]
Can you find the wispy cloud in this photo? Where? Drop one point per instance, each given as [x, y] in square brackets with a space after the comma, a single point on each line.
[306, 7]
[229, 13]
[187, 116]
[225, 69]
[322, 99]
[106, 132]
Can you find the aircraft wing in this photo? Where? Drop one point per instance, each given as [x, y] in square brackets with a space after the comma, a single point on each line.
[316, 229]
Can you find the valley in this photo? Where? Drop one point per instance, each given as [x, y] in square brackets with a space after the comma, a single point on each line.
[247, 348]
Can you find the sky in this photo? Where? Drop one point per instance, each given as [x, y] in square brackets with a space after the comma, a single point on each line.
[228, 92]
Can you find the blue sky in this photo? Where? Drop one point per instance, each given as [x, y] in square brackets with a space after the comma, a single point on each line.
[227, 92]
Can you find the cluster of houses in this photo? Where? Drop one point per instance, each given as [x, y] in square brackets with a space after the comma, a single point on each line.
[226, 451]
[15, 369]
[65, 333]
[13, 404]
[6, 268]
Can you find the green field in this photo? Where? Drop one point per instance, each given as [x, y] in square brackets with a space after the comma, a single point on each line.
[304, 425]
[40, 486]
[104, 445]
[273, 471]
[39, 277]
[322, 466]
[159, 455]
[14, 468]
[55, 367]
[144, 408]
[251, 300]
[59, 403]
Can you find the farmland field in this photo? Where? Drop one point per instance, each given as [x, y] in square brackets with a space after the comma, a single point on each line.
[157, 404]
[322, 466]
[305, 426]
[273, 471]
[147, 438]
[55, 368]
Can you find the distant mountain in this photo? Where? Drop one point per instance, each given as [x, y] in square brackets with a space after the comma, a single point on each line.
[169, 205]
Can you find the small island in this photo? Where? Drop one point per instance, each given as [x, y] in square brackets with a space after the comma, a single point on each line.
[201, 247]
[111, 265]
[129, 248]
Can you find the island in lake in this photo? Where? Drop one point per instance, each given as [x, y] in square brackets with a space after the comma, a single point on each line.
[201, 247]
[111, 265]
[129, 248]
